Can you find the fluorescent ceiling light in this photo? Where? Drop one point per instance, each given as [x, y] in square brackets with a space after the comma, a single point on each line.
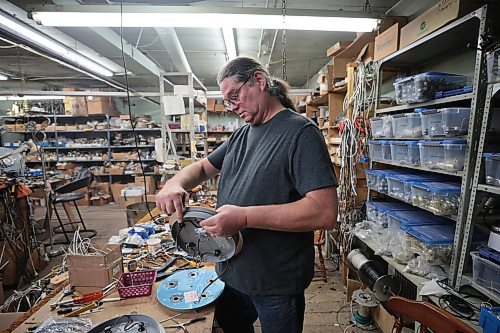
[3, 77]
[230, 43]
[29, 98]
[205, 20]
[47, 43]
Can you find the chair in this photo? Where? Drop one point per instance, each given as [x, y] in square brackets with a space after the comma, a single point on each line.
[65, 195]
[428, 315]
[319, 241]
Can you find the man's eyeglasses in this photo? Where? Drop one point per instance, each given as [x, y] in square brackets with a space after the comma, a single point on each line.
[228, 104]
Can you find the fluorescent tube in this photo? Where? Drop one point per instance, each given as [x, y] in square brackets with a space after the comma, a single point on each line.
[30, 98]
[3, 77]
[230, 43]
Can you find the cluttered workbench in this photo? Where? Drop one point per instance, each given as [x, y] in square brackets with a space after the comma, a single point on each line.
[162, 288]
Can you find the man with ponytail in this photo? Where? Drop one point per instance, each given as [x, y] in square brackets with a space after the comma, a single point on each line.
[276, 186]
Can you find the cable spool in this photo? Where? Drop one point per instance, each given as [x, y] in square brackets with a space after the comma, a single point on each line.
[365, 300]
[191, 237]
[383, 286]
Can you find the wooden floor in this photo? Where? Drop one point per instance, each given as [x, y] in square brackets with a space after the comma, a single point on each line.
[326, 308]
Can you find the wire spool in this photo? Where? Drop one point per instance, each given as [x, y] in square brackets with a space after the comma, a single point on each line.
[191, 237]
[365, 300]
[382, 285]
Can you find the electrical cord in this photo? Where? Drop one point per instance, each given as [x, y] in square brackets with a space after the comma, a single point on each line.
[457, 303]
[134, 133]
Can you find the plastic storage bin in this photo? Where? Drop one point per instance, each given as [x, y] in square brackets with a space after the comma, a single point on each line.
[485, 272]
[492, 168]
[377, 179]
[381, 127]
[375, 150]
[433, 242]
[431, 154]
[405, 152]
[407, 125]
[386, 150]
[410, 218]
[441, 198]
[454, 154]
[423, 119]
[399, 185]
[378, 211]
[493, 66]
[447, 122]
[423, 87]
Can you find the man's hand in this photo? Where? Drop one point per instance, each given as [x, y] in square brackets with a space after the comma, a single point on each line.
[228, 221]
[172, 198]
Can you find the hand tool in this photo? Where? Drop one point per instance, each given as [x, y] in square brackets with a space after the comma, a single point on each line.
[84, 309]
[184, 324]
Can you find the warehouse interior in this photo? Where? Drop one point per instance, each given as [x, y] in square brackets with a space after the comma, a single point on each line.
[106, 107]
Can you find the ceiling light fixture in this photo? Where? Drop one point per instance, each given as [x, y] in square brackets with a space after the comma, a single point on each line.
[44, 42]
[228, 34]
[205, 20]
[3, 77]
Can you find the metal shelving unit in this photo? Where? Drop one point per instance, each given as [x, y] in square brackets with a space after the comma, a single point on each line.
[440, 45]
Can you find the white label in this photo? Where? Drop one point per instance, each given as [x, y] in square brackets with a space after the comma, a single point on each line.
[190, 296]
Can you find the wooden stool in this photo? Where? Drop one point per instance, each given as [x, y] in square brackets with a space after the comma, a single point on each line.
[319, 241]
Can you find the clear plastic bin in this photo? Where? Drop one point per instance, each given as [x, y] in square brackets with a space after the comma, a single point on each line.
[485, 272]
[386, 150]
[423, 87]
[447, 122]
[381, 127]
[423, 119]
[377, 179]
[454, 154]
[431, 154]
[405, 152]
[410, 218]
[399, 185]
[433, 242]
[493, 66]
[375, 150]
[378, 211]
[441, 198]
[492, 168]
[407, 125]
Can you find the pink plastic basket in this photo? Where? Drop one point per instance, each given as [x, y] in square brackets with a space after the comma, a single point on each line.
[136, 284]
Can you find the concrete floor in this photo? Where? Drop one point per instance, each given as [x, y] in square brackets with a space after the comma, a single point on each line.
[326, 308]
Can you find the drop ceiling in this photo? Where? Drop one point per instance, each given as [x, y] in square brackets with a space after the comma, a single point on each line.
[204, 48]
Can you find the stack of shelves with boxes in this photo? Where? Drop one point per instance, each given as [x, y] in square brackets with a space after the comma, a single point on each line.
[423, 160]
[221, 123]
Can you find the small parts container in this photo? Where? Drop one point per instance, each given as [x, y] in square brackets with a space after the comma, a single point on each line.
[433, 242]
[405, 152]
[136, 284]
[492, 168]
[411, 218]
[381, 127]
[446, 155]
[378, 212]
[407, 125]
[485, 272]
[386, 150]
[423, 87]
[454, 154]
[423, 119]
[493, 66]
[375, 150]
[440, 198]
[448, 122]
[377, 179]
[399, 185]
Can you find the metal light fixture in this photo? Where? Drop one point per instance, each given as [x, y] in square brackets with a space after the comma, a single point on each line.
[3, 77]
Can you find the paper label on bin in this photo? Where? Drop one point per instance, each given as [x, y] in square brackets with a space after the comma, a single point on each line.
[190, 296]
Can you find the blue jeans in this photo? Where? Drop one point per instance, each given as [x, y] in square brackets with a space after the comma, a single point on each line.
[236, 312]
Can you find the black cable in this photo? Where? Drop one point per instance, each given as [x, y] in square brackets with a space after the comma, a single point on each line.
[134, 133]
[456, 303]
[213, 281]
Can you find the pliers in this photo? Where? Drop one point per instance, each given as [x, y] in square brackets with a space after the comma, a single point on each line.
[184, 324]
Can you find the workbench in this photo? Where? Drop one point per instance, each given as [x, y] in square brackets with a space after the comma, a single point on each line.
[146, 305]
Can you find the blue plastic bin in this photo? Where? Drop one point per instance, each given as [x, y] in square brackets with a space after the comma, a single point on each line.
[441, 198]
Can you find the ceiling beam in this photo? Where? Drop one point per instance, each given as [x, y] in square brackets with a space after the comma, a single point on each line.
[115, 40]
[168, 38]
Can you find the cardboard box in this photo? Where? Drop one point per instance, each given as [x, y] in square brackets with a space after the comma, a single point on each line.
[434, 18]
[116, 189]
[100, 200]
[6, 319]
[130, 195]
[387, 42]
[220, 108]
[385, 321]
[91, 273]
[2, 296]
[101, 106]
[150, 183]
[339, 67]
[116, 171]
[336, 48]
[366, 53]
[211, 102]
[75, 106]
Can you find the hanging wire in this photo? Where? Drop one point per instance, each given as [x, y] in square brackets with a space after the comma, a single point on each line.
[283, 41]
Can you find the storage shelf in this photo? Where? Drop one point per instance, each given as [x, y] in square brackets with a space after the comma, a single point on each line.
[415, 279]
[450, 38]
[444, 172]
[143, 160]
[425, 137]
[63, 116]
[136, 129]
[74, 148]
[132, 146]
[438, 101]
[127, 174]
[489, 188]
[467, 279]
[220, 132]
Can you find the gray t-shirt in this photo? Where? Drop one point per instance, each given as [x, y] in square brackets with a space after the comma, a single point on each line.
[273, 163]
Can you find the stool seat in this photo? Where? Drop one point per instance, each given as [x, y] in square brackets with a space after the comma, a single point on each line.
[68, 197]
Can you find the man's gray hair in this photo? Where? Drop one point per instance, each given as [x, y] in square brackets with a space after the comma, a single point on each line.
[243, 68]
